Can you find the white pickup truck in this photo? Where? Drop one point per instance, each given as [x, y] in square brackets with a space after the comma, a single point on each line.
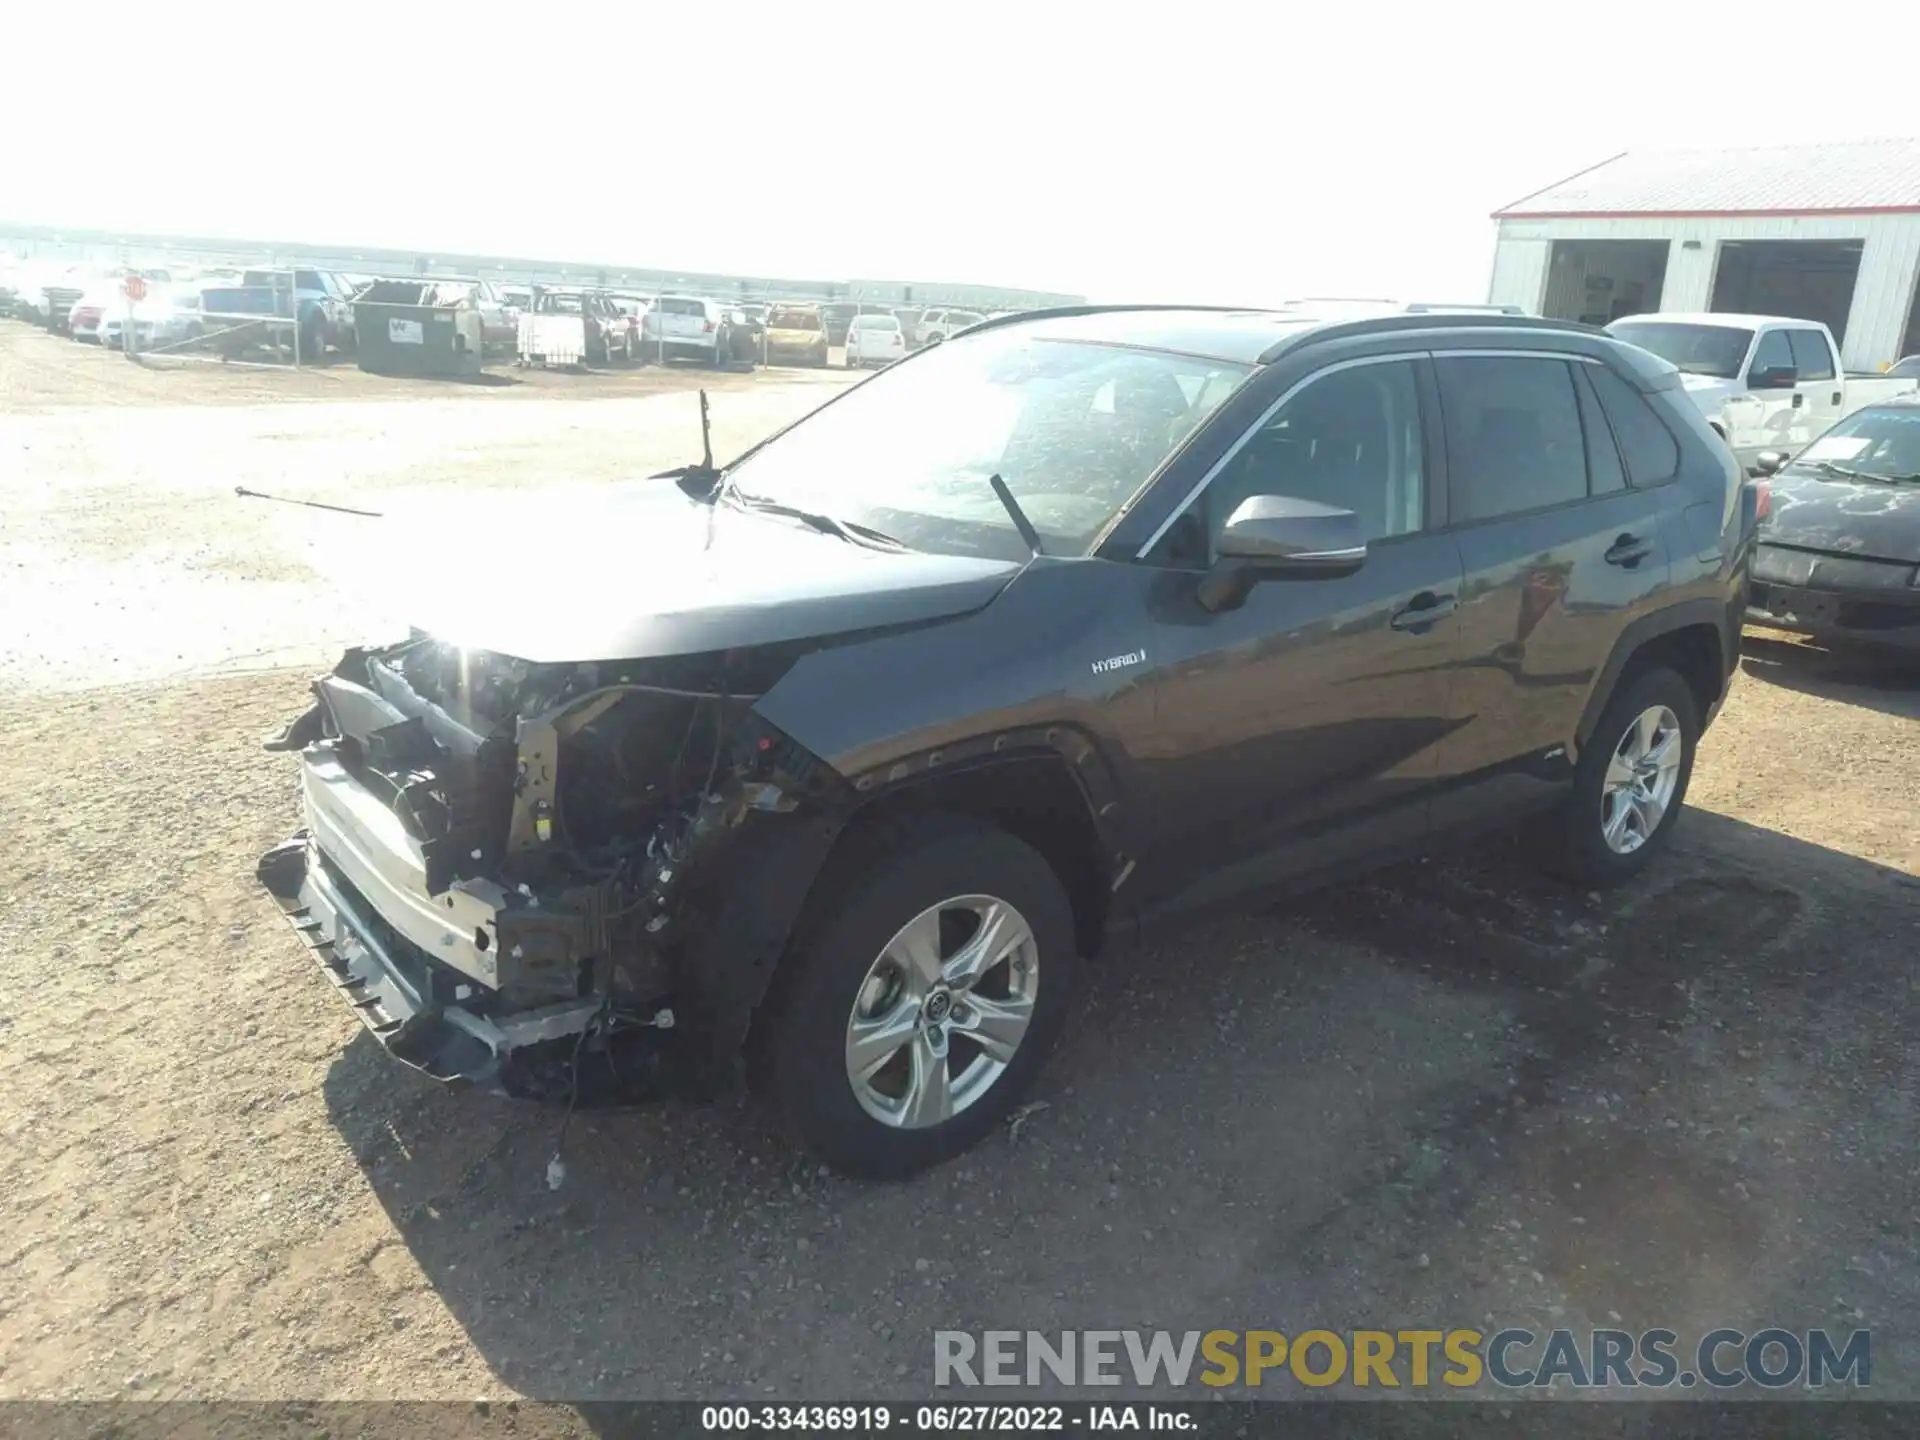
[1765, 382]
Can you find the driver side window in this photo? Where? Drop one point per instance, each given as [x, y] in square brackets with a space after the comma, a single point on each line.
[1351, 439]
[1774, 352]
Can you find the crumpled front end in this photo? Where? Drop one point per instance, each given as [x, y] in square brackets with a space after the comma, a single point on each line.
[510, 868]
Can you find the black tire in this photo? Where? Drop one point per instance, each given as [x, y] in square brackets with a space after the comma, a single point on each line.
[800, 1037]
[1581, 851]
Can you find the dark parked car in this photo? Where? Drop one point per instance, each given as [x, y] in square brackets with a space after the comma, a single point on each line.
[258, 309]
[845, 754]
[1840, 539]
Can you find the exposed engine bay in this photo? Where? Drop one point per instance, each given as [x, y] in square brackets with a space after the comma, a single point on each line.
[505, 862]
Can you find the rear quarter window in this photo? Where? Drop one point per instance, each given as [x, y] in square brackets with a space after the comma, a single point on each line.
[1647, 447]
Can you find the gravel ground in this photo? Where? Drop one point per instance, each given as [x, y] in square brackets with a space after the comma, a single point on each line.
[1455, 1093]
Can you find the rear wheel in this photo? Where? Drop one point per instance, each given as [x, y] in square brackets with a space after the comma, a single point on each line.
[921, 998]
[1631, 780]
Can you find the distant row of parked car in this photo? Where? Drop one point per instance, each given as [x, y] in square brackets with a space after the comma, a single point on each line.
[624, 328]
[231, 310]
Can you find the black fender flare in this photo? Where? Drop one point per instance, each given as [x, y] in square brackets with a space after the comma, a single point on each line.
[749, 896]
[745, 905]
[1067, 744]
[1697, 610]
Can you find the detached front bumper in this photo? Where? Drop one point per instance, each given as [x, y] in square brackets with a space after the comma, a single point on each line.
[391, 990]
[453, 982]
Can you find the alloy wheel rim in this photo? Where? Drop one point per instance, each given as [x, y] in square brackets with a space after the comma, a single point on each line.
[942, 1012]
[1642, 774]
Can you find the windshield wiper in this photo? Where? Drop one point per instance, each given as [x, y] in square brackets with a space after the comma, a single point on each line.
[1827, 467]
[1020, 520]
[848, 530]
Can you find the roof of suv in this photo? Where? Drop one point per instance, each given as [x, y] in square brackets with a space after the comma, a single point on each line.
[1245, 336]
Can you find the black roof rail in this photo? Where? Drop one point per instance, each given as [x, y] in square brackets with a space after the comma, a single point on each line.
[1435, 320]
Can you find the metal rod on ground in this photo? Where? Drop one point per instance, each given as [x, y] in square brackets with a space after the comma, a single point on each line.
[245, 494]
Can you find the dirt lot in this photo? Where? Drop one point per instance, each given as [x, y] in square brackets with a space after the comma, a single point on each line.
[1457, 1093]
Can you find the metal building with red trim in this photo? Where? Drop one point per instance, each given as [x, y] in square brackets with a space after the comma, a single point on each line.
[1818, 232]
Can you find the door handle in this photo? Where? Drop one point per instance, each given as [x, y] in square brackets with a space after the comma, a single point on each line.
[1628, 550]
[1798, 399]
[1839, 397]
[1423, 610]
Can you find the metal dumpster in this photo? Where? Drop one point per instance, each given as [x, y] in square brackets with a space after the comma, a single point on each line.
[418, 327]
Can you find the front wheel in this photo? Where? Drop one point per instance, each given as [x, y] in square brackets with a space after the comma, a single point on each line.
[921, 998]
[1631, 780]
[313, 345]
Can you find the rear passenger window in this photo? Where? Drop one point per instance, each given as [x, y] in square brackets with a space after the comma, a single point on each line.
[1604, 472]
[1812, 356]
[1651, 454]
[1514, 439]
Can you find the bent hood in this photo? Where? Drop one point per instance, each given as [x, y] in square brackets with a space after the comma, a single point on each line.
[1872, 519]
[630, 574]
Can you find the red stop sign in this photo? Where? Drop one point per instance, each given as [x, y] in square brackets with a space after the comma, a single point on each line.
[136, 287]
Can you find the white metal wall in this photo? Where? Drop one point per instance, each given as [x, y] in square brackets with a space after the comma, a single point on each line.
[1882, 296]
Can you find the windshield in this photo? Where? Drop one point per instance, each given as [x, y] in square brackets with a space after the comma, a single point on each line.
[1882, 443]
[794, 320]
[1073, 429]
[1716, 350]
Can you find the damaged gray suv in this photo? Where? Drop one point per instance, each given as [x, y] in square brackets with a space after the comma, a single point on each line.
[848, 758]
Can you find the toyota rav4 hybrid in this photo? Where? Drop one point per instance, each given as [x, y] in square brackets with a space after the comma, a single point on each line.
[850, 758]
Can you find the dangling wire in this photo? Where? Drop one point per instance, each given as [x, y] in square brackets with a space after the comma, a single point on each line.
[556, 1167]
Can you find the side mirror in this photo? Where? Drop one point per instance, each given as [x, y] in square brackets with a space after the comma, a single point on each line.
[1773, 377]
[1769, 462]
[1277, 537]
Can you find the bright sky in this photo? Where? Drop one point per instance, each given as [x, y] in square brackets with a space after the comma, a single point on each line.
[1236, 153]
